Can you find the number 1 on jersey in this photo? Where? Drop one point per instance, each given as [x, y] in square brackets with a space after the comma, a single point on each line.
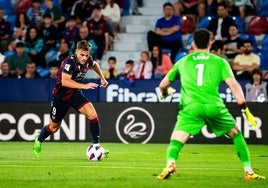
[200, 71]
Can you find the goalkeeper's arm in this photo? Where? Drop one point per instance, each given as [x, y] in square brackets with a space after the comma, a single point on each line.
[164, 85]
[239, 96]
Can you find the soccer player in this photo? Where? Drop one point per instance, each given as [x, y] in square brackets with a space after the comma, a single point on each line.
[200, 74]
[67, 92]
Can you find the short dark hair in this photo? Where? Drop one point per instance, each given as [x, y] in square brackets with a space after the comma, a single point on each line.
[247, 41]
[83, 45]
[167, 4]
[257, 71]
[201, 38]
[130, 62]
[20, 45]
[113, 58]
[47, 15]
[96, 6]
[222, 4]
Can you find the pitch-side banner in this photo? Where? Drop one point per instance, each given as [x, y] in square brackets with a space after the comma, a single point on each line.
[121, 122]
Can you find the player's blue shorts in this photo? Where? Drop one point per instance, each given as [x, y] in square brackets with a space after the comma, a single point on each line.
[60, 107]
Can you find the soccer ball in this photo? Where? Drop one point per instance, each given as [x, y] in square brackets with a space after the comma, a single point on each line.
[95, 152]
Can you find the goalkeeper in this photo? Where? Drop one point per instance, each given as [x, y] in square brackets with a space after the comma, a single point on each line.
[200, 74]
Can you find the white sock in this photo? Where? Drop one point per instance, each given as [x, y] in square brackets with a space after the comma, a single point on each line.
[248, 169]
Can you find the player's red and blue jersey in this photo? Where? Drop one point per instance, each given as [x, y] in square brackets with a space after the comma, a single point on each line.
[71, 66]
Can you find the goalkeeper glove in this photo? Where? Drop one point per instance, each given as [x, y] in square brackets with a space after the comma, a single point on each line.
[168, 92]
[248, 115]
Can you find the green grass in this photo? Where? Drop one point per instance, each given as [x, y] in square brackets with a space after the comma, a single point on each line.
[132, 165]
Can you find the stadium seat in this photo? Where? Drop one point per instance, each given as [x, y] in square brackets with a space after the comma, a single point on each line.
[240, 24]
[257, 25]
[203, 22]
[263, 8]
[180, 55]
[264, 54]
[187, 25]
[7, 7]
[265, 43]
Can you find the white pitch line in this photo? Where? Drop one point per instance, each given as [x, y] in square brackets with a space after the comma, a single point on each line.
[114, 167]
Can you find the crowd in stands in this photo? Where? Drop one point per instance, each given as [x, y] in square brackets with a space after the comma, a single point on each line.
[38, 34]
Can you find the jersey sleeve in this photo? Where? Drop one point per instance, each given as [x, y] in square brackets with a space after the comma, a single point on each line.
[173, 74]
[68, 67]
[226, 70]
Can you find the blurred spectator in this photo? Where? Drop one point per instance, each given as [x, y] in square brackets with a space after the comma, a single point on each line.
[4, 68]
[207, 8]
[134, 7]
[20, 29]
[2, 59]
[245, 63]
[58, 19]
[19, 60]
[161, 62]
[167, 32]
[257, 89]
[71, 32]
[35, 13]
[144, 68]
[34, 46]
[63, 50]
[49, 33]
[53, 69]
[98, 31]
[190, 8]
[112, 71]
[128, 75]
[66, 7]
[111, 12]
[5, 32]
[240, 7]
[82, 10]
[232, 46]
[178, 8]
[84, 35]
[30, 71]
[220, 25]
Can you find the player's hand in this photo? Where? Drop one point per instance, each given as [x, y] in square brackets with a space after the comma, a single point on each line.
[250, 118]
[168, 92]
[104, 83]
[90, 85]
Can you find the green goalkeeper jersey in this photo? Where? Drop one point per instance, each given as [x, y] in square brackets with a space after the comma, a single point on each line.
[201, 74]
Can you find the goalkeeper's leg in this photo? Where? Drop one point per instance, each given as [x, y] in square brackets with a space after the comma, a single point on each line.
[177, 141]
[243, 154]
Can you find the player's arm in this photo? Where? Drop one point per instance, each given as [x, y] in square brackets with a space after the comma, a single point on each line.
[240, 98]
[165, 88]
[97, 69]
[68, 82]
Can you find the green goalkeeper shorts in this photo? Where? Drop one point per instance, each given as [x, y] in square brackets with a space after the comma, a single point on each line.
[192, 117]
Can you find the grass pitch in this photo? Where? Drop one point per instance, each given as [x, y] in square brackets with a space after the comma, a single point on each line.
[131, 165]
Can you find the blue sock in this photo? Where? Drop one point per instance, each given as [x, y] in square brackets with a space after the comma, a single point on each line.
[95, 130]
[45, 132]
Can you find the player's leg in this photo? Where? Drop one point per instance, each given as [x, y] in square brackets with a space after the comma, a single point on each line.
[221, 122]
[187, 124]
[89, 111]
[243, 153]
[57, 112]
[177, 141]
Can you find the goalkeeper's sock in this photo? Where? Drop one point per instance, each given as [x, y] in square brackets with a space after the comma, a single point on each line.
[45, 132]
[95, 130]
[242, 151]
[173, 150]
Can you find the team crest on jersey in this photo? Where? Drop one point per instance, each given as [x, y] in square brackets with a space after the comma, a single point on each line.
[67, 67]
